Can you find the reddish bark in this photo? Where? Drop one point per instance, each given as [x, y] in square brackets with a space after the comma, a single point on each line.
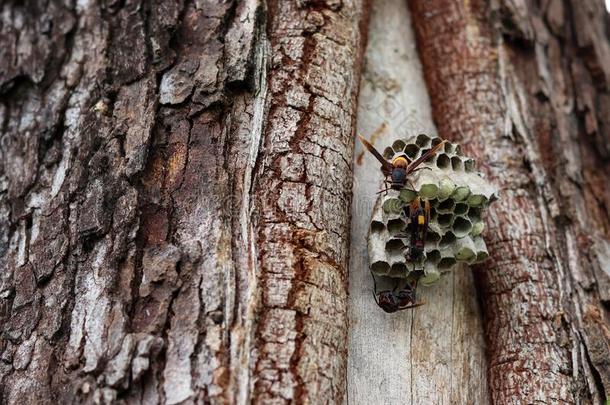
[524, 89]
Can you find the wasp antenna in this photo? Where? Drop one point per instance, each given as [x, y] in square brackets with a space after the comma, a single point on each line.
[385, 164]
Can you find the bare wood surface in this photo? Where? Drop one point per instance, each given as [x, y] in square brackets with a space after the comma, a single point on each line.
[435, 353]
[524, 87]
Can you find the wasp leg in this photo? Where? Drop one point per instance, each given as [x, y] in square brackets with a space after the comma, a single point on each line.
[388, 184]
[419, 304]
[421, 168]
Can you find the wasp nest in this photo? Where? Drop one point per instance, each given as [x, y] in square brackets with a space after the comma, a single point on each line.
[457, 193]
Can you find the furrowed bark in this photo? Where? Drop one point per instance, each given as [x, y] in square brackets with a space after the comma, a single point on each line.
[141, 258]
[436, 353]
[525, 89]
[303, 201]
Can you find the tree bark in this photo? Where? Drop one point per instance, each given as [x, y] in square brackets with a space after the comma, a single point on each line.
[174, 198]
[524, 87]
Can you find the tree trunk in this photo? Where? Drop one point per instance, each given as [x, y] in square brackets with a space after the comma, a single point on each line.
[175, 199]
[524, 87]
[162, 166]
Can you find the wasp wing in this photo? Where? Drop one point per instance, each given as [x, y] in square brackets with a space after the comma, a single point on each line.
[424, 157]
[385, 165]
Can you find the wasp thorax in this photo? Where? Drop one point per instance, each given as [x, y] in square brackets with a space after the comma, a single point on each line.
[457, 196]
[399, 177]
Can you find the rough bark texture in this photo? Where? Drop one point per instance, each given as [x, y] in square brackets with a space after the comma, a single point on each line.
[303, 201]
[436, 353]
[524, 86]
[161, 165]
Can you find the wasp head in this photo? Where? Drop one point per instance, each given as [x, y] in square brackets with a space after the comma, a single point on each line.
[387, 301]
[391, 301]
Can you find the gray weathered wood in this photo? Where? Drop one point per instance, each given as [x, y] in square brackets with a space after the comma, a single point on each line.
[435, 353]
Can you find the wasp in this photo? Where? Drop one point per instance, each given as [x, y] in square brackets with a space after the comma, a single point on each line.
[399, 167]
[392, 301]
[418, 216]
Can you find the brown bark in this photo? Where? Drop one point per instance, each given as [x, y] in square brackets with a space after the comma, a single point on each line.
[525, 89]
[174, 198]
[175, 185]
[303, 200]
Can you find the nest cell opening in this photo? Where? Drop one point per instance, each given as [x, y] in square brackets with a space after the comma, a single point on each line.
[446, 189]
[392, 206]
[423, 141]
[446, 206]
[433, 237]
[380, 267]
[377, 227]
[461, 227]
[447, 239]
[457, 164]
[394, 244]
[476, 200]
[460, 209]
[388, 153]
[449, 148]
[444, 220]
[465, 254]
[461, 193]
[431, 158]
[430, 277]
[458, 150]
[399, 269]
[396, 225]
[407, 195]
[477, 228]
[482, 256]
[443, 161]
[399, 145]
[436, 141]
[411, 150]
[433, 256]
[474, 214]
[428, 191]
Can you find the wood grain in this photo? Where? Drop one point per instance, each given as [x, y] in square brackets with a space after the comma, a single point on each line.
[435, 353]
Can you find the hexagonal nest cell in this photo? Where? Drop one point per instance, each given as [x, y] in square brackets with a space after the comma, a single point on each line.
[458, 195]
